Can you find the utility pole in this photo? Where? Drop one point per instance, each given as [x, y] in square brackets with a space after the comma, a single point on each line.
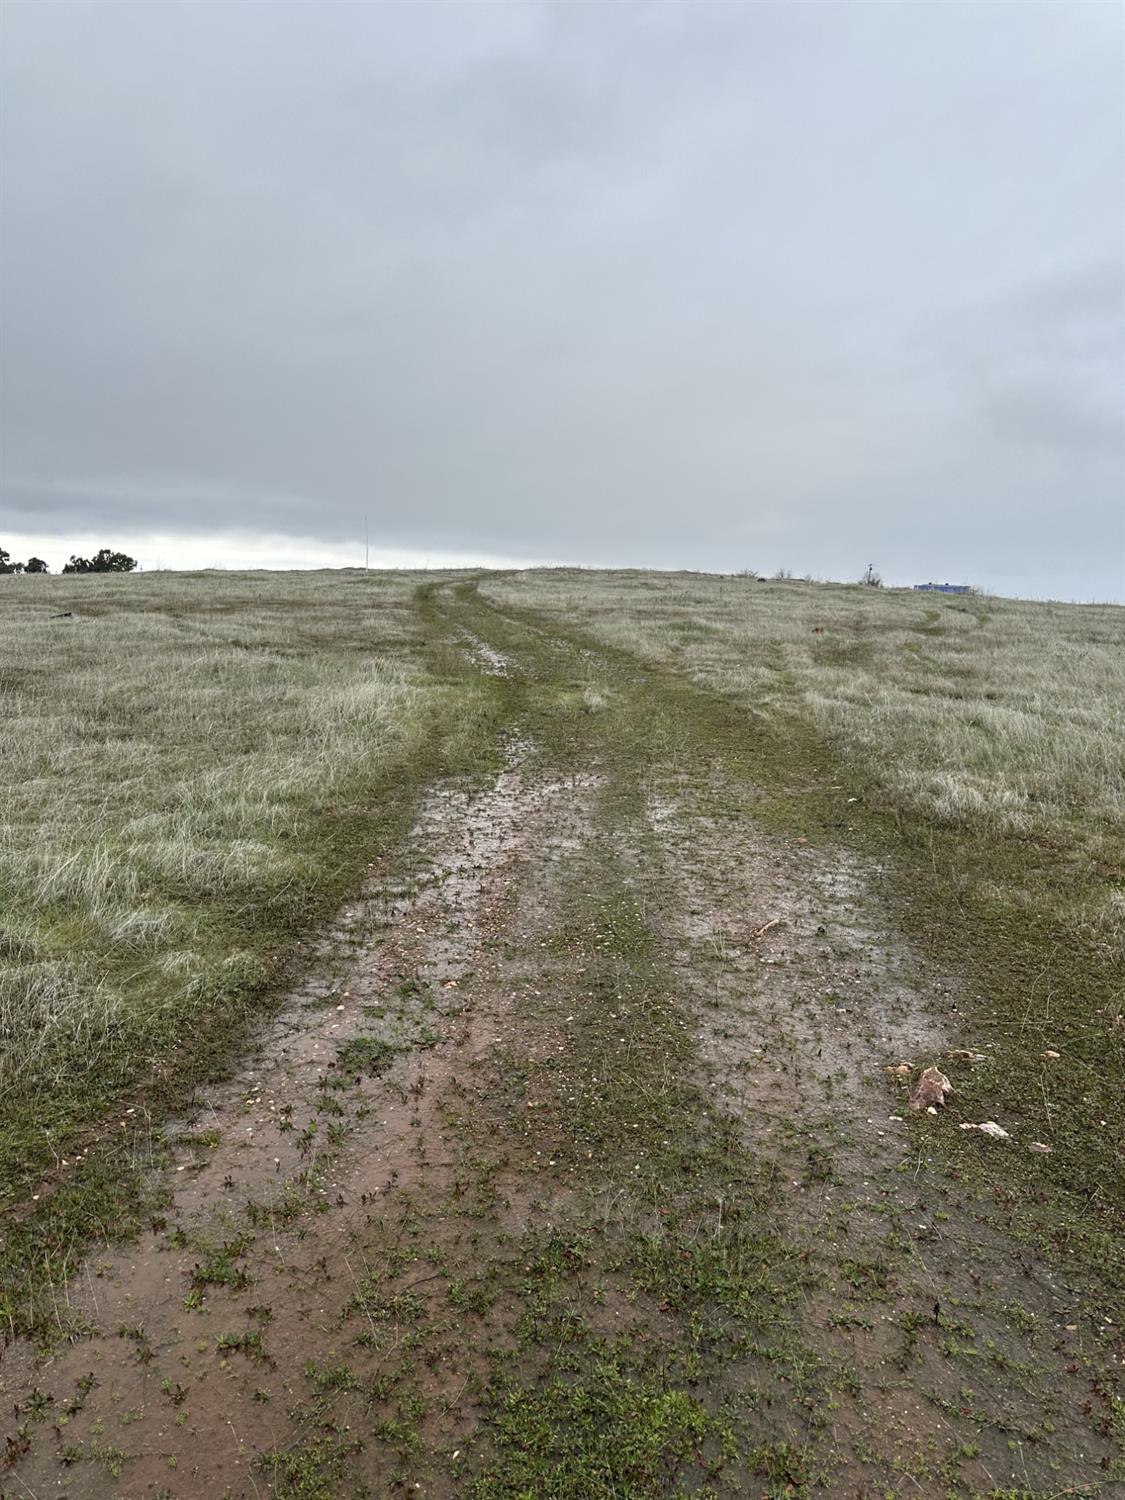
[366, 548]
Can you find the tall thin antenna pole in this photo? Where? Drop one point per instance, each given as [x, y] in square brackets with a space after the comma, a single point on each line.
[366, 548]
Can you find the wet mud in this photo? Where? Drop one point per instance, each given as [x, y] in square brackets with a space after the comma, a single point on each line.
[300, 1182]
[811, 1009]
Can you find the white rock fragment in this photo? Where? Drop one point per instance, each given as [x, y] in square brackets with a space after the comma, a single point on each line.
[989, 1128]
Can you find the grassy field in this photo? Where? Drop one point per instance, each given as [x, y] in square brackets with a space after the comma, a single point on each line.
[735, 844]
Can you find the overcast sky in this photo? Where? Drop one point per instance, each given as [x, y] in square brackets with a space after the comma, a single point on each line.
[802, 285]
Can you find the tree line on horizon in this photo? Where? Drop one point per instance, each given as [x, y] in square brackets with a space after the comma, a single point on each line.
[103, 561]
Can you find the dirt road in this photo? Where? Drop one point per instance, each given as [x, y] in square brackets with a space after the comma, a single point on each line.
[572, 1167]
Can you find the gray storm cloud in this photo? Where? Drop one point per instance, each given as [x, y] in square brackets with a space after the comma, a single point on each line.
[706, 285]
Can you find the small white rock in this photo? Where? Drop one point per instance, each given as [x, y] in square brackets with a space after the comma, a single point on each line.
[989, 1128]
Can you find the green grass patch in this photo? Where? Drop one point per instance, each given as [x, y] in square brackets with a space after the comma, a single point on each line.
[609, 1436]
[366, 1054]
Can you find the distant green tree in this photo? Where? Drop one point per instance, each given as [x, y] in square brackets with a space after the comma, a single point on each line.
[36, 565]
[104, 561]
[7, 565]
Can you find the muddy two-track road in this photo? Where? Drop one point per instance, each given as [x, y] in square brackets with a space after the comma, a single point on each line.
[572, 1167]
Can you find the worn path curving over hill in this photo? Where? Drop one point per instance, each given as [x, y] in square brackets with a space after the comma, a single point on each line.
[575, 1164]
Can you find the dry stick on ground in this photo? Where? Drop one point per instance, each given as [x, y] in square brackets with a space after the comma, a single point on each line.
[764, 929]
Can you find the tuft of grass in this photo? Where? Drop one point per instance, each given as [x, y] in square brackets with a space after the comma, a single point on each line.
[309, 1471]
[248, 1342]
[366, 1054]
[608, 1436]
[220, 1267]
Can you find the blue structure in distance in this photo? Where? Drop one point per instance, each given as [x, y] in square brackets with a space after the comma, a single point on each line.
[944, 588]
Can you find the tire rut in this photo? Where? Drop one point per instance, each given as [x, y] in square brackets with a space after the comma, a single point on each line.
[191, 1347]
